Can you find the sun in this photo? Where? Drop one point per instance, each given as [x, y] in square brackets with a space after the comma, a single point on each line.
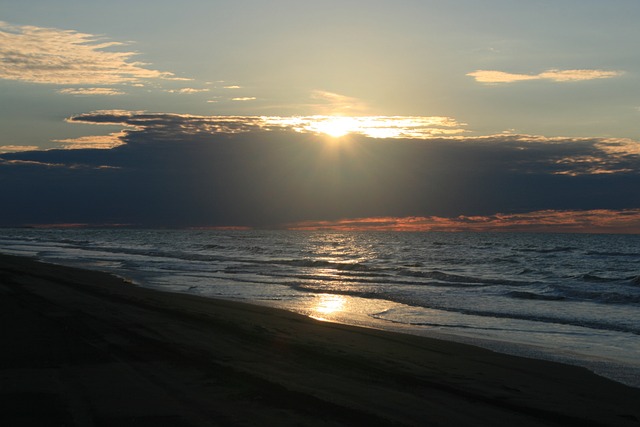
[336, 126]
[412, 127]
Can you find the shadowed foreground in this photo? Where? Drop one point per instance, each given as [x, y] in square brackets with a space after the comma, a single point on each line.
[88, 349]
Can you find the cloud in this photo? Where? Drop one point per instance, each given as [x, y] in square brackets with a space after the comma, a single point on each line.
[492, 76]
[244, 98]
[620, 147]
[66, 57]
[40, 165]
[187, 90]
[112, 117]
[16, 148]
[98, 142]
[413, 127]
[168, 126]
[587, 221]
[417, 127]
[91, 91]
[578, 75]
[233, 87]
[179, 170]
[17, 163]
[528, 153]
[336, 104]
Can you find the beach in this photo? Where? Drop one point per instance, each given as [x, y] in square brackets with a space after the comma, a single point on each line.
[85, 348]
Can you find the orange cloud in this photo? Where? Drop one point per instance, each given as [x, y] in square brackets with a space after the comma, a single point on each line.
[590, 221]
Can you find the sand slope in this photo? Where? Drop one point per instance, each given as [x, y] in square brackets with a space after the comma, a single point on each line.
[85, 348]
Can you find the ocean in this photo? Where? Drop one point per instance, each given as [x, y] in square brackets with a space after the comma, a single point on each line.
[573, 298]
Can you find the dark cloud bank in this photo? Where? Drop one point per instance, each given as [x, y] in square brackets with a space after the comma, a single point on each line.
[175, 171]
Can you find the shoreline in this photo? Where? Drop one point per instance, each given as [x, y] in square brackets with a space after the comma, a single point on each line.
[88, 347]
[616, 370]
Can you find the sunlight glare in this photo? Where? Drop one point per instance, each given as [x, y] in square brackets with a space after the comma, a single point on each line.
[328, 304]
[371, 126]
[335, 126]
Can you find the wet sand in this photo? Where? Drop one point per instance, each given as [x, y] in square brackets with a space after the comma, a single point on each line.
[84, 348]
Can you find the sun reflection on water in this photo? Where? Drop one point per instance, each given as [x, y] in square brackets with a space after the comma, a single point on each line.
[327, 305]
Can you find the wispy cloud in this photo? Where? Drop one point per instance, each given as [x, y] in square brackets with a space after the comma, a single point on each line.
[100, 142]
[493, 76]
[17, 148]
[587, 221]
[105, 91]
[30, 163]
[244, 98]
[233, 87]
[188, 90]
[331, 103]
[66, 57]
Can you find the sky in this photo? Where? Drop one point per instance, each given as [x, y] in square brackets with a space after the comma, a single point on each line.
[378, 115]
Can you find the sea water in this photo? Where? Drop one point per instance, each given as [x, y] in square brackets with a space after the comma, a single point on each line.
[573, 298]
